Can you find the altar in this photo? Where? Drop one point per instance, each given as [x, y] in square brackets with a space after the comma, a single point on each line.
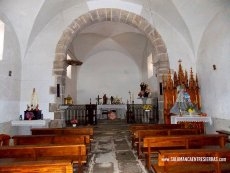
[119, 108]
[194, 121]
[24, 126]
[189, 118]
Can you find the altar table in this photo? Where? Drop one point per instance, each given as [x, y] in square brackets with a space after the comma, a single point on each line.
[24, 126]
[119, 108]
[194, 121]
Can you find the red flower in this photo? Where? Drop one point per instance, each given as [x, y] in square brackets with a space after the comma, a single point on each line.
[74, 121]
[29, 115]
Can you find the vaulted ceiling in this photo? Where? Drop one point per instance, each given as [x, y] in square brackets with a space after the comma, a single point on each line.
[189, 18]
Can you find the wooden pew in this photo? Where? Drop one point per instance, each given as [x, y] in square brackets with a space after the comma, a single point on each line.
[48, 166]
[134, 128]
[4, 140]
[62, 131]
[193, 160]
[141, 134]
[52, 139]
[74, 153]
[154, 126]
[65, 131]
[154, 144]
[226, 133]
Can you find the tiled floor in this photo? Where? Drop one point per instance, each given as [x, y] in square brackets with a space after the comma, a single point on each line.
[111, 150]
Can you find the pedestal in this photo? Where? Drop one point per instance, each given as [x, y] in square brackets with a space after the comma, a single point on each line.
[146, 100]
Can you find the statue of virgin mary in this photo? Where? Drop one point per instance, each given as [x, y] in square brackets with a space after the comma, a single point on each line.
[34, 100]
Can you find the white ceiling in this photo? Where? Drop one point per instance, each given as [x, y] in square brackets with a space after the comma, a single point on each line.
[109, 36]
[188, 18]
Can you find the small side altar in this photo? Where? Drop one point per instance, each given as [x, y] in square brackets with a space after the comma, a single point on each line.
[194, 121]
[30, 122]
[24, 126]
[191, 118]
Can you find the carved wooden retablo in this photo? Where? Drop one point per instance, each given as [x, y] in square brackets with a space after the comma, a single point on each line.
[170, 89]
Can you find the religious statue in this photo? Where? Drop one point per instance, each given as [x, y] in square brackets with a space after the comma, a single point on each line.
[104, 99]
[112, 100]
[34, 100]
[183, 102]
[32, 111]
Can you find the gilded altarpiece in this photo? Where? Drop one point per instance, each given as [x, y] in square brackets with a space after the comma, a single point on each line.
[170, 84]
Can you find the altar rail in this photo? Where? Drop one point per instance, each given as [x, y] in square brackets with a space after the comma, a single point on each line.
[85, 114]
[137, 113]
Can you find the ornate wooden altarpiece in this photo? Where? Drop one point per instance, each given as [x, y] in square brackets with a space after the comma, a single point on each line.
[170, 84]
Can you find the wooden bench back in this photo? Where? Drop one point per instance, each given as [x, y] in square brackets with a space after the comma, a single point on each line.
[76, 153]
[190, 159]
[141, 134]
[153, 144]
[133, 128]
[57, 151]
[50, 139]
[63, 131]
[58, 166]
[165, 142]
[36, 151]
[165, 132]
[165, 156]
[191, 140]
[72, 139]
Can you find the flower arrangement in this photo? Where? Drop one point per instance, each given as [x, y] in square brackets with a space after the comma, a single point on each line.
[147, 107]
[29, 115]
[145, 91]
[143, 86]
[74, 121]
[190, 108]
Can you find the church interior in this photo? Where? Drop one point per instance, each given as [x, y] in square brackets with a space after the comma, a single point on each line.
[120, 75]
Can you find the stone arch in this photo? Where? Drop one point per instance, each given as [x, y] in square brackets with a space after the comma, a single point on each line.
[101, 15]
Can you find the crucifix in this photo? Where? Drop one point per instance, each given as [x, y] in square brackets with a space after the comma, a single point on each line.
[98, 99]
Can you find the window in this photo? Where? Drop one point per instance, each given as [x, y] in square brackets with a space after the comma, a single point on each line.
[1, 38]
[150, 65]
[69, 69]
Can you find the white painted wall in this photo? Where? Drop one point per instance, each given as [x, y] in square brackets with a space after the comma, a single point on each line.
[108, 72]
[10, 85]
[215, 84]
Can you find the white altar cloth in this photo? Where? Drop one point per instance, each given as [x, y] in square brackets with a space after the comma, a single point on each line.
[189, 118]
[120, 109]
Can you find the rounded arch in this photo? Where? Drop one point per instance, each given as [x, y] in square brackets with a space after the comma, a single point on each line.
[101, 15]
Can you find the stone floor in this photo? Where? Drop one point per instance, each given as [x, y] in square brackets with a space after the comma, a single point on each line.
[111, 150]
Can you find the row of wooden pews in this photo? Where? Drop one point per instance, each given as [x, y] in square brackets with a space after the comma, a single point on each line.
[158, 139]
[52, 150]
[216, 160]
